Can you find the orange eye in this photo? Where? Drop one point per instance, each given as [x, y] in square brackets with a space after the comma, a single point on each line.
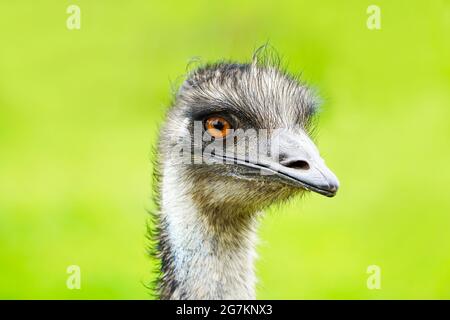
[217, 127]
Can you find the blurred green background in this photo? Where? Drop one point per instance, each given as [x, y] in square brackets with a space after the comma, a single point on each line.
[80, 110]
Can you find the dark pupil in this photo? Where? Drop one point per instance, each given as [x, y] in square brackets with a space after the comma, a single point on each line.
[218, 125]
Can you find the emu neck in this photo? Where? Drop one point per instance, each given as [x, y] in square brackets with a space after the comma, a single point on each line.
[206, 253]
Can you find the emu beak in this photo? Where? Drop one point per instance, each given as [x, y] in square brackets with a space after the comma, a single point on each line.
[294, 159]
[299, 163]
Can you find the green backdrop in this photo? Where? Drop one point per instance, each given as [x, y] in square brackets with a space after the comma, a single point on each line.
[80, 109]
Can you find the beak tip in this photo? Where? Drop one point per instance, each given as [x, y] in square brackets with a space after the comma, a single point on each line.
[332, 187]
[333, 192]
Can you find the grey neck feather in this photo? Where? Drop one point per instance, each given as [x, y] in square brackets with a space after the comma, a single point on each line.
[203, 256]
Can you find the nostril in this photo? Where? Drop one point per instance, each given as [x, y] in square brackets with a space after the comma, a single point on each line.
[298, 164]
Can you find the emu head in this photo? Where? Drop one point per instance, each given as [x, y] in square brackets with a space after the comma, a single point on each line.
[238, 136]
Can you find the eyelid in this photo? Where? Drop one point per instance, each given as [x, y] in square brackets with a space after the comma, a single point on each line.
[205, 111]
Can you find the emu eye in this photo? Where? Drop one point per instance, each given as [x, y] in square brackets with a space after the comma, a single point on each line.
[217, 127]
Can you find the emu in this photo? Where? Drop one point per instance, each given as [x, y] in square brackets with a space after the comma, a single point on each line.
[209, 205]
